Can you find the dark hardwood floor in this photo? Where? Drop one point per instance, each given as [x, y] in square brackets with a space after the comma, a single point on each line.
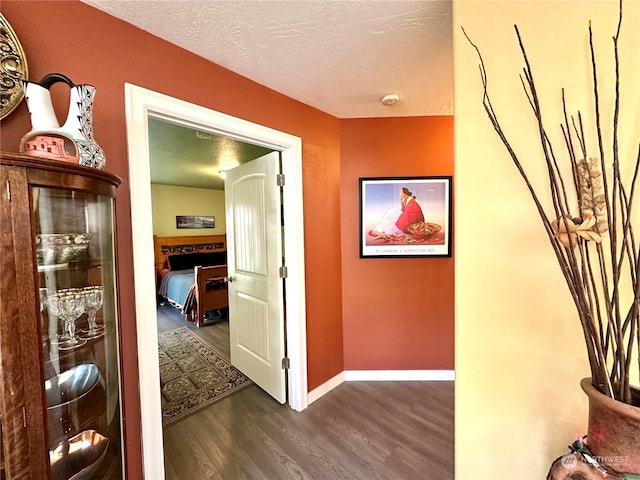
[359, 430]
[216, 332]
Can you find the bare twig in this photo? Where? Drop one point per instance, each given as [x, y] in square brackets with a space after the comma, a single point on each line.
[597, 276]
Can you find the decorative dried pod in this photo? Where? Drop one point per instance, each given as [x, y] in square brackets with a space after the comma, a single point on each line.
[587, 229]
[565, 231]
[590, 190]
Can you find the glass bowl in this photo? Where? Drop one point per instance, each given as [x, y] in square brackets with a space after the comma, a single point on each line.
[55, 248]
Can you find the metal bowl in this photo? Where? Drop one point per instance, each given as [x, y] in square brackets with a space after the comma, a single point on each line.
[55, 248]
[71, 385]
[78, 457]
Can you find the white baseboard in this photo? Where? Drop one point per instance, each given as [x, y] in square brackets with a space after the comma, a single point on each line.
[325, 388]
[381, 376]
[398, 375]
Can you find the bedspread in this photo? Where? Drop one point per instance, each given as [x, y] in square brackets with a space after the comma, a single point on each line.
[178, 287]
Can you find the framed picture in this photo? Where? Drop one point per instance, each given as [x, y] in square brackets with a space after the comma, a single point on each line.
[195, 221]
[405, 217]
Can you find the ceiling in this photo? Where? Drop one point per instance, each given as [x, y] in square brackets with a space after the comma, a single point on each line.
[191, 158]
[340, 57]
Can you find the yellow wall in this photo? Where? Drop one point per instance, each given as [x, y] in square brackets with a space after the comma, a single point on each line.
[168, 201]
[519, 349]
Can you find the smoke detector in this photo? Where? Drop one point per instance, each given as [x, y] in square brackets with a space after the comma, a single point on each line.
[390, 99]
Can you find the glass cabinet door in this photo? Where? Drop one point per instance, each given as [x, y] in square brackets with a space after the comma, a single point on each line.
[74, 243]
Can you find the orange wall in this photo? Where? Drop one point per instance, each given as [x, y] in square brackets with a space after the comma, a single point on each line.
[397, 312]
[387, 325]
[92, 47]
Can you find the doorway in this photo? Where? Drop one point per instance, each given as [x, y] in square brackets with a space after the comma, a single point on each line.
[141, 103]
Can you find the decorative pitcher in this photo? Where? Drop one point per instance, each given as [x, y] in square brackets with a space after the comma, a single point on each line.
[73, 141]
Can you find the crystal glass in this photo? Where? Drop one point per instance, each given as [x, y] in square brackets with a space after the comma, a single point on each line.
[68, 305]
[43, 295]
[93, 296]
[54, 305]
[43, 298]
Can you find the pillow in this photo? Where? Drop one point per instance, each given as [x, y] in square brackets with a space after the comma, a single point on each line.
[186, 261]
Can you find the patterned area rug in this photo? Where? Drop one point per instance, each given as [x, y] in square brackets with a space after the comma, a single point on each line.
[193, 373]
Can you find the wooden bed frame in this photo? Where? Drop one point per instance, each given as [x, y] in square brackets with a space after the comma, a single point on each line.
[211, 291]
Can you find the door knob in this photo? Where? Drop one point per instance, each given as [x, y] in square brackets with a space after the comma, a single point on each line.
[228, 279]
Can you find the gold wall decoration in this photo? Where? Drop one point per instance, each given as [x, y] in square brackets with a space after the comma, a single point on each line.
[13, 69]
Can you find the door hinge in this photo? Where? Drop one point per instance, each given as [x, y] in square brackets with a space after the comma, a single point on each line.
[24, 417]
[280, 179]
[283, 272]
[8, 191]
[286, 364]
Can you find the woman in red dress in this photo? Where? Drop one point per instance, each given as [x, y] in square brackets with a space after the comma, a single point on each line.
[411, 211]
[396, 220]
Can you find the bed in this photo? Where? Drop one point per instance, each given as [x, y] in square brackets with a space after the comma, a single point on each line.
[191, 274]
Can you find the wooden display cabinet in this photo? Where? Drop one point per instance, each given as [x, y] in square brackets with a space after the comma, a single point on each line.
[59, 345]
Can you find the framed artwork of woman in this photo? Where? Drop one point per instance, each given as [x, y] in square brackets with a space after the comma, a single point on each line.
[405, 217]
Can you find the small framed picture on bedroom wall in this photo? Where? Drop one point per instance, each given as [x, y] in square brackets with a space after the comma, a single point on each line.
[405, 217]
[195, 221]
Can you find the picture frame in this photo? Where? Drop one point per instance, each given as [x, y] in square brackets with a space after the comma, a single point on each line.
[195, 221]
[419, 228]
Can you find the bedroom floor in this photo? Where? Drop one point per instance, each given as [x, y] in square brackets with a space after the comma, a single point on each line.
[216, 332]
[359, 430]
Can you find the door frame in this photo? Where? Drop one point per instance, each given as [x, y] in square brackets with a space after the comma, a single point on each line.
[140, 104]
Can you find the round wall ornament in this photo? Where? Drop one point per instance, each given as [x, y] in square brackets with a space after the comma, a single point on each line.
[13, 69]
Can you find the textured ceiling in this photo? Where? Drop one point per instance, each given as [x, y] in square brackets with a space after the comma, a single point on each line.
[190, 158]
[340, 57]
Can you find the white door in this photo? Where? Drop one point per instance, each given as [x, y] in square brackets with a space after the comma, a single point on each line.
[254, 258]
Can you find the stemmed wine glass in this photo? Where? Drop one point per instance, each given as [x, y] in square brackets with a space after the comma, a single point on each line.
[93, 301]
[68, 304]
[43, 298]
[54, 304]
[43, 294]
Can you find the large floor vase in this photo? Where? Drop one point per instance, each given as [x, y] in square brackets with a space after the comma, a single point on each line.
[614, 430]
